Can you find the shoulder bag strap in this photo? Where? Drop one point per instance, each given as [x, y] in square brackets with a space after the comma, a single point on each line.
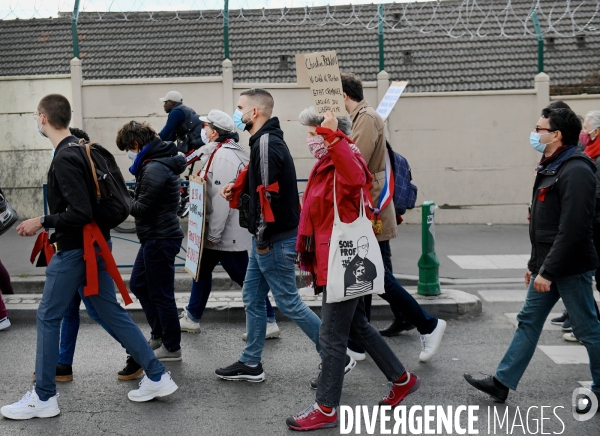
[89, 155]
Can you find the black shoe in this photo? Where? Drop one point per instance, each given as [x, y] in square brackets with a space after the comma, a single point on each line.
[566, 326]
[241, 371]
[490, 386]
[132, 370]
[64, 373]
[350, 364]
[560, 319]
[396, 327]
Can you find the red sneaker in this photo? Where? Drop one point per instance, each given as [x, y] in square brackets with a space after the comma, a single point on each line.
[312, 418]
[399, 392]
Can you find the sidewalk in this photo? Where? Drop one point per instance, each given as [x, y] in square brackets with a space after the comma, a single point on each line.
[228, 304]
[451, 240]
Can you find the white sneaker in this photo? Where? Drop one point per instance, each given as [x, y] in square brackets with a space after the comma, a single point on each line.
[30, 406]
[149, 390]
[356, 356]
[431, 342]
[570, 337]
[4, 323]
[272, 331]
[187, 325]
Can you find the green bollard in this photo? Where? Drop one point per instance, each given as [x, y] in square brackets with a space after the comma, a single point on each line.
[429, 265]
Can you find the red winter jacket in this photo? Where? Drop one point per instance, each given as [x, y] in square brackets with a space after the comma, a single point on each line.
[316, 219]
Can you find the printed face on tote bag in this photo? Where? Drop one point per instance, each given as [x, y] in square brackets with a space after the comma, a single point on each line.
[355, 265]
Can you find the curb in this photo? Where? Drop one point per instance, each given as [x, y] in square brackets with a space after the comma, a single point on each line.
[228, 305]
[222, 282]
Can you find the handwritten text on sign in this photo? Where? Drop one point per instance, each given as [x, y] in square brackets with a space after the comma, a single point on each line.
[390, 99]
[325, 82]
[195, 226]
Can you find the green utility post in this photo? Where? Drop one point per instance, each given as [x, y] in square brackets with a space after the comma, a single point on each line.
[74, 35]
[540, 38]
[429, 265]
[226, 29]
[380, 32]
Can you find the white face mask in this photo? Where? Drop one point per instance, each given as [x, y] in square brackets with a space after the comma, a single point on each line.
[132, 155]
[204, 137]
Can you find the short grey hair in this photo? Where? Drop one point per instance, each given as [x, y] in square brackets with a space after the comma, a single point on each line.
[308, 117]
[593, 118]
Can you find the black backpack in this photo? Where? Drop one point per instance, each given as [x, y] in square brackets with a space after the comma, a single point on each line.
[113, 203]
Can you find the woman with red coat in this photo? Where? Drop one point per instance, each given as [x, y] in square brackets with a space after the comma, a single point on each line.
[336, 154]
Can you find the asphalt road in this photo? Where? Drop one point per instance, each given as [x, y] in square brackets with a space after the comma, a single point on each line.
[96, 402]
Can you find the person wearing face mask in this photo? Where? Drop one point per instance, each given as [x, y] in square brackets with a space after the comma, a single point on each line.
[157, 168]
[226, 242]
[338, 157]
[183, 124]
[273, 217]
[563, 258]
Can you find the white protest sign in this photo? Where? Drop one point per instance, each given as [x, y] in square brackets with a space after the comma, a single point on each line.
[325, 82]
[195, 240]
[390, 98]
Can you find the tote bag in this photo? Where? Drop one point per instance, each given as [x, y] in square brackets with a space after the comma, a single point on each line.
[355, 264]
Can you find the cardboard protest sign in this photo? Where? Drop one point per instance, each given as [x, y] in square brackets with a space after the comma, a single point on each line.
[301, 72]
[325, 82]
[195, 240]
[390, 98]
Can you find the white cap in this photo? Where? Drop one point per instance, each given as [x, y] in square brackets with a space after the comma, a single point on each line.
[220, 120]
[172, 96]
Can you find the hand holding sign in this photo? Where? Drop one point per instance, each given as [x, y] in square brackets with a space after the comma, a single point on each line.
[325, 82]
[330, 122]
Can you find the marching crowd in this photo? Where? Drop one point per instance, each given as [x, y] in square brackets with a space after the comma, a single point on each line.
[260, 233]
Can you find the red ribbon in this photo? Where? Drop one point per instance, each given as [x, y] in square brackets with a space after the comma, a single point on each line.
[91, 235]
[238, 188]
[265, 206]
[42, 243]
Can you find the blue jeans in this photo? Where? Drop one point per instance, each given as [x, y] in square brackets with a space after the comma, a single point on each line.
[577, 295]
[70, 327]
[153, 283]
[235, 263]
[64, 275]
[274, 270]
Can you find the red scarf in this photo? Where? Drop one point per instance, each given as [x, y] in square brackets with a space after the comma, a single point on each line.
[593, 148]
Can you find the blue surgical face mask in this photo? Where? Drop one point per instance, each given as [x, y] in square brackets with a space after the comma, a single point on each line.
[534, 140]
[237, 119]
[132, 155]
[52, 153]
[40, 130]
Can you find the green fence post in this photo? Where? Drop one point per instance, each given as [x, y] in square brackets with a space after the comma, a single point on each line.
[74, 35]
[429, 265]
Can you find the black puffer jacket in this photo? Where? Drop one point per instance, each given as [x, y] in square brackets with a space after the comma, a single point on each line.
[157, 192]
[562, 216]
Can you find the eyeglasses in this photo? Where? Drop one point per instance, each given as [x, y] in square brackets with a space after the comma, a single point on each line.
[36, 115]
[538, 129]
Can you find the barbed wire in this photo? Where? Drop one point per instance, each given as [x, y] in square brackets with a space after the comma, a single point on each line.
[453, 18]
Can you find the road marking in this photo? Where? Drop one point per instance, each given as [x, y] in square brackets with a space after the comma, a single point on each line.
[512, 317]
[502, 295]
[566, 354]
[507, 261]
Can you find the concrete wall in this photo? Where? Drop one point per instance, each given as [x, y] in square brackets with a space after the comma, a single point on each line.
[24, 154]
[469, 151]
